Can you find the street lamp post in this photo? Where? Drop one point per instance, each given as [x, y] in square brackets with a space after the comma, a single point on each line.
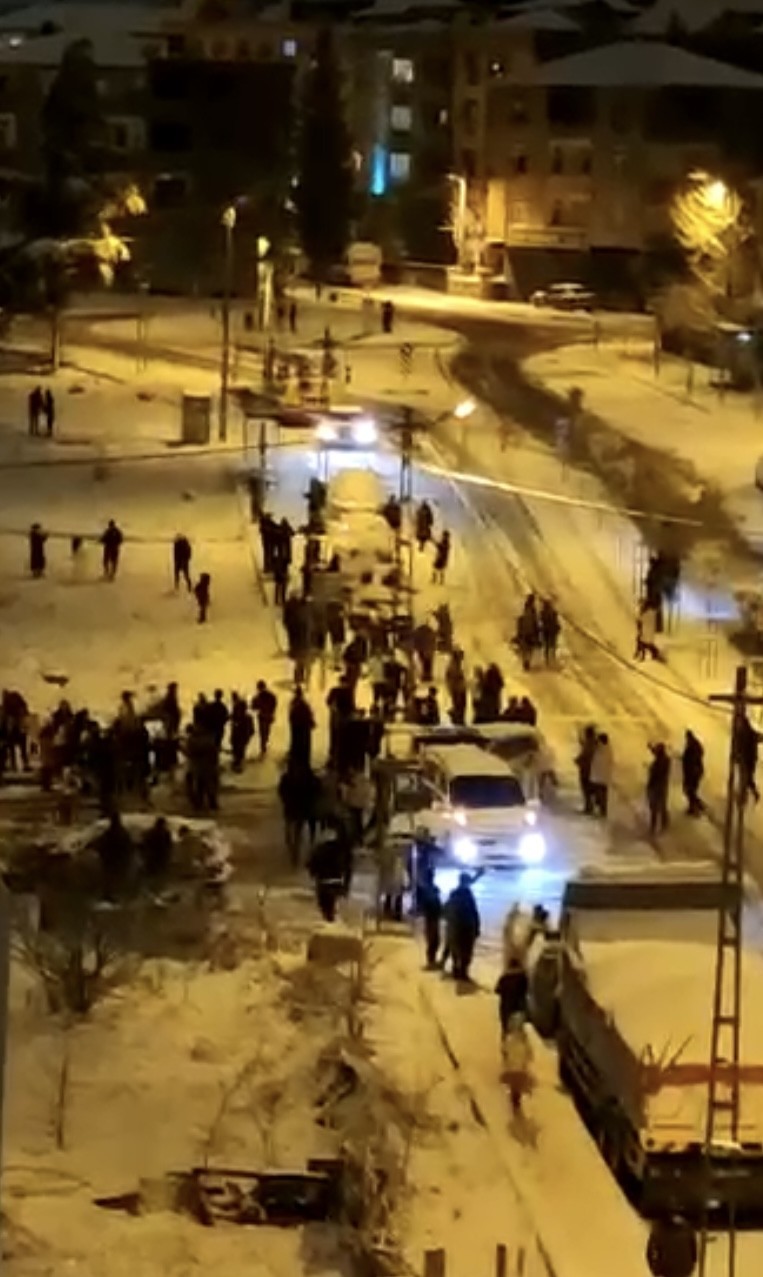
[228, 220]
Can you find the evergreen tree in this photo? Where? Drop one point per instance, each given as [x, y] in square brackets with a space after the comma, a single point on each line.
[74, 143]
[324, 191]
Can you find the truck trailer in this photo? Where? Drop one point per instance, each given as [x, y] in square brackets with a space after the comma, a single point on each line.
[636, 967]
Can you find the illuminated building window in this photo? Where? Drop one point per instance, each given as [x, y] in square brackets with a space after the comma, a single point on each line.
[401, 118]
[289, 48]
[402, 70]
[400, 166]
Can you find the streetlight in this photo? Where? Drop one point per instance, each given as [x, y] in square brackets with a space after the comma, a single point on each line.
[228, 221]
[464, 409]
[460, 226]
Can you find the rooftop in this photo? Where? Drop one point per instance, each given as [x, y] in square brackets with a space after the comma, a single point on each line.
[645, 64]
[111, 49]
[79, 18]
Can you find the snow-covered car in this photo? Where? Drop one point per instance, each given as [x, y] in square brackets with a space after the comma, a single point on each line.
[566, 296]
[346, 426]
[199, 847]
[473, 808]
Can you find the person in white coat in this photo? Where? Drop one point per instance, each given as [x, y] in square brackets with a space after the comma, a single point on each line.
[601, 773]
[517, 1055]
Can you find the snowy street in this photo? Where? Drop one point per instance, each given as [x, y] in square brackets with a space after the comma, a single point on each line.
[116, 456]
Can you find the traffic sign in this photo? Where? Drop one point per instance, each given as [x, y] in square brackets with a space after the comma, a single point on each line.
[672, 1249]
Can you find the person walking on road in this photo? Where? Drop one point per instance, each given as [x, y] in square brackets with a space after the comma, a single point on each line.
[517, 1057]
[34, 410]
[430, 907]
[49, 411]
[203, 594]
[111, 541]
[455, 681]
[512, 990]
[241, 731]
[657, 786]
[37, 559]
[550, 629]
[298, 792]
[646, 632]
[441, 558]
[602, 763]
[746, 752]
[264, 704]
[584, 763]
[528, 632]
[181, 561]
[692, 771]
[424, 524]
[463, 923]
[301, 728]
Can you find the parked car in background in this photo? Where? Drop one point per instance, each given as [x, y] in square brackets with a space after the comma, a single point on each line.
[566, 296]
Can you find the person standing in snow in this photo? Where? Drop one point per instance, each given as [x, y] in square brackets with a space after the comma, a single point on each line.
[111, 540]
[37, 560]
[692, 771]
[517, 1055]
[34, 410]
[657, 785]
[301, 728]
[181, 561]
[646, 632]
[441, 559]
[602, 763]
[550, 628]
[463, 921]
[455, 681]
[746, 755]
[202, 594]
[430, 907]
[584, 762]
[264, 704]
[241, 731]
[49, 412]
[512, 990]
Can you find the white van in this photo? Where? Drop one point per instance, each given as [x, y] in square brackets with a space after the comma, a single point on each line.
[476, 811]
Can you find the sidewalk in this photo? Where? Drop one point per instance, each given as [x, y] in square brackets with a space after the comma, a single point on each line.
[716, 439]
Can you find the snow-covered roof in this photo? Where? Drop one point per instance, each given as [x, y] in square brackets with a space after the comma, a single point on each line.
[538, 19]
[645, 64]
[135, 19]
[691, 15]
[110, 49]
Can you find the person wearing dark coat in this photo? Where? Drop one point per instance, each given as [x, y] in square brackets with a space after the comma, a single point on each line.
[528, 632]
[550, 628]
[492, 691]
[156, 851]
[268, 540]
[526, 712]
[463, 921]
[37, 560]
[425, 646]
[429, 709]
[583, 763]
[512, 990]
[301, 728]
[114, 848]
[49, 411]
[746, 754]
[111, 541]
[327, 867]
[202, 593]
[34, 409]
[217, 717]
[298, 790]
[169, 711]
[424, 524]
[264, 704]
[241, 731]
[692, 771]
[181, 561]
[429, 903]
[441, 558]
[657, 785]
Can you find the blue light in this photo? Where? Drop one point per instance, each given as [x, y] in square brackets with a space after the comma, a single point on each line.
[379, 170]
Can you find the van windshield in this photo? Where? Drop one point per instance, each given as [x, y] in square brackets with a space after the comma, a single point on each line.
[486, 791]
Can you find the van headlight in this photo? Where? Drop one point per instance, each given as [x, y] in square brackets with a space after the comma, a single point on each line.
[532, 847]
[364, 431]
[465, 850]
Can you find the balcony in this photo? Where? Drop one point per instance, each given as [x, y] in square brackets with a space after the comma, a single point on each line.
[519, 236]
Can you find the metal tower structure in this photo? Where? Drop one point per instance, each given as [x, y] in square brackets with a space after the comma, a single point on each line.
[722, 1119]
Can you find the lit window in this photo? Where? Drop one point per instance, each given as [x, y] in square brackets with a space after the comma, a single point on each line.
[401, 118]
[289, 48]
[402, 70]
[442, 115]
[399, 166]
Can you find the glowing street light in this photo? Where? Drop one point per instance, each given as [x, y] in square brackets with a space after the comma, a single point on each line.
[228, 223]
[464, 409]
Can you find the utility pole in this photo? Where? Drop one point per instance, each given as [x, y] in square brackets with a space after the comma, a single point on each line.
[722, 1119]
[228, 220]
[403, 596]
